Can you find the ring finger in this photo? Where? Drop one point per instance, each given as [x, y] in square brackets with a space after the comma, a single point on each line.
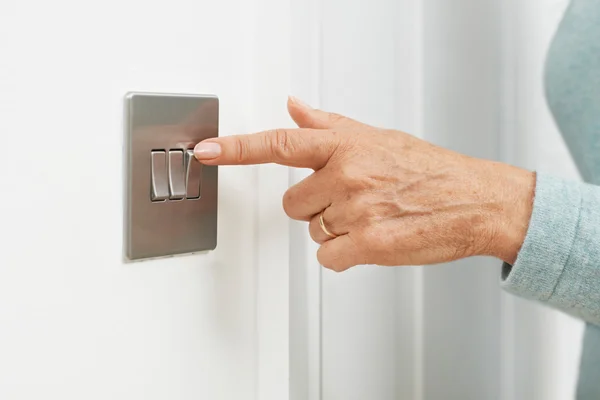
[333, 225]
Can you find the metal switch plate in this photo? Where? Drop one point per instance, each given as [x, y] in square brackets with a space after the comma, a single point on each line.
[171, 205]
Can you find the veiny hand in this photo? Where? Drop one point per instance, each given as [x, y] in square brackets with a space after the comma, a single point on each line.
[388, 197]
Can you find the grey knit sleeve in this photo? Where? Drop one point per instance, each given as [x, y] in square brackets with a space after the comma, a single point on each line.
[559, 262]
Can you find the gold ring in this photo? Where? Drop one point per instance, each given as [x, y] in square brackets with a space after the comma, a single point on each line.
[324, 228]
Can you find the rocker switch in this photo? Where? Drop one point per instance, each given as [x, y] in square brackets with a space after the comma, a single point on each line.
[194, 176]
[176, 175]
[160, 191]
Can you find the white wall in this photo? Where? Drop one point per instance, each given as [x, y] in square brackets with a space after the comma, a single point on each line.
[75, 321]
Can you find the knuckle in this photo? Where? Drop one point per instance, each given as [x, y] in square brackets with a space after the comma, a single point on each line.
[337, 268]
[281, 144]
[288, 202]
[360, 208]
[322, 257]
[348, 173]
[241, 151]
[313, 232]
[329, 260]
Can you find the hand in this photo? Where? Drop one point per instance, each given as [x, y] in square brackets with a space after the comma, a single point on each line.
[387, 197]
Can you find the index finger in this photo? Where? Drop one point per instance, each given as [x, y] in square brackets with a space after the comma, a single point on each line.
[303, 148]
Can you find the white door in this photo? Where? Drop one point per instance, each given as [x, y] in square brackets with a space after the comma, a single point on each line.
[76, 322]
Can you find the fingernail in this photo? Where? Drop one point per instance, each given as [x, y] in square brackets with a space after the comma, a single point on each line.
[207, 150]
[299, 102]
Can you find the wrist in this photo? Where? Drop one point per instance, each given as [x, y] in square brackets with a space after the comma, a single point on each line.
[514, 190]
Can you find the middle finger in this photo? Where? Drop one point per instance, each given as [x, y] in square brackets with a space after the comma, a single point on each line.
[311, 195]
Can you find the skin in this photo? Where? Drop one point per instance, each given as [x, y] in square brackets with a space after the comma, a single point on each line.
[392, 199]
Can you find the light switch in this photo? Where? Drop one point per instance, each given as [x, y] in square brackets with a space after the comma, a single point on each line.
[171, 205]
[176, 175]
[158, 178]
[194, 176]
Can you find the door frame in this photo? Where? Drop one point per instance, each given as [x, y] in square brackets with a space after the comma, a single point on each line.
[306, 275]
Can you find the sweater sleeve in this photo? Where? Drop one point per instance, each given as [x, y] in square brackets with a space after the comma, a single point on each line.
[559, 262]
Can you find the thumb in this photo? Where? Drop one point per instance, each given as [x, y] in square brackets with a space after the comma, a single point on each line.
[308, 117]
